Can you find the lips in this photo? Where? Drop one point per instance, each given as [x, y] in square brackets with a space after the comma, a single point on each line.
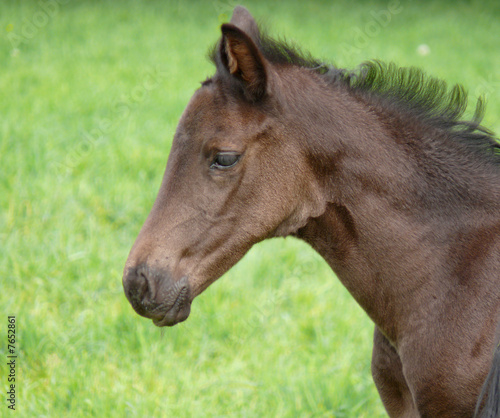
[178, 312]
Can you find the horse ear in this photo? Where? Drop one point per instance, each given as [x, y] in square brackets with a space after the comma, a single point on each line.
[244, 20]
[243, 59]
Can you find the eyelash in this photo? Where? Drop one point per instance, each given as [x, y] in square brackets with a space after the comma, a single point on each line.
[224, 160]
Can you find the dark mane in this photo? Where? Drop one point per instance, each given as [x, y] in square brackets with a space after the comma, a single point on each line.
[409, 89]
[406, 89]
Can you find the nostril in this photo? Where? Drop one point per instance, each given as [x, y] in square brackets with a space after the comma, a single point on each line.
[148, 283]
[138, 287]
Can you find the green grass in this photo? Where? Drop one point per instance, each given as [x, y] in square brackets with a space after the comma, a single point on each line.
[91, 96]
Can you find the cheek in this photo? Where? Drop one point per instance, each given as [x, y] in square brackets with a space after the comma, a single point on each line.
[266, 198]
[258, 194]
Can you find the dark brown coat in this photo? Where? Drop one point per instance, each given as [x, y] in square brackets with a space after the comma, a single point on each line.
[376, 172]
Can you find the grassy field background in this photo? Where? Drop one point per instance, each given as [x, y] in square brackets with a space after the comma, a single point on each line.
[91, 94]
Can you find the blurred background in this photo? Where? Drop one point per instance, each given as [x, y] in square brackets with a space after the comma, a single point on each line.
[91, 92]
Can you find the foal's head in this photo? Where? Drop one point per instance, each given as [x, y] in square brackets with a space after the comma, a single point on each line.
[234, 177]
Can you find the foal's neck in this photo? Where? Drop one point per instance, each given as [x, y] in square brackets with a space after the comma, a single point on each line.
[396, 217]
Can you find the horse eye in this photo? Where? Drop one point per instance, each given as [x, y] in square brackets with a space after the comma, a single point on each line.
[225, 160]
